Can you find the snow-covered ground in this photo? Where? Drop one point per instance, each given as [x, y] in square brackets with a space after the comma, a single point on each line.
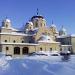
[37, 65]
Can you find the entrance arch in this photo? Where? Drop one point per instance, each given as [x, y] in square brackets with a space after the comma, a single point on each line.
[16, 50]
[25, 50]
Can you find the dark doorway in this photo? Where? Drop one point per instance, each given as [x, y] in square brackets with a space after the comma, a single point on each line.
[16, 50]
[25, 50]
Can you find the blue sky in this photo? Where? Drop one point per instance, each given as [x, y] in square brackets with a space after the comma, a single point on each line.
[62, 12]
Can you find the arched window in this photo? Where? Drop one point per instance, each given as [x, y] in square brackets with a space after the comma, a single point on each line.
[22, 41]
[69, 49]
[14, 41]
[30, 27]
[6, 25]
[36, 24]
[60, 49]
[7, 48]
[50, 49]
[25, 50]
[41, 49]
[16, 50]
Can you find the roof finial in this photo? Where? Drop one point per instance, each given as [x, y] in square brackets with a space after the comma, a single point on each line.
[37, 11]
[6, 17]
[62, 26]
[52, 22]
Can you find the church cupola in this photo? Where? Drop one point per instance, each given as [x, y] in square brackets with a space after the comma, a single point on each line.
[53, 28]
[62, 31]
[6, 23]
[37, 15]
[29, 25]
[38, 20]
[53, 25]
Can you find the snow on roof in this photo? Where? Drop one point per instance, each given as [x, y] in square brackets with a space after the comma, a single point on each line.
[36, 28]
[62, 36]
[43, 19]
[5, 28]
[16, 33]
[53, 25]
[31, 23]
[10, 28]
[65, 45]
[46, 39]
[18, 43]
[14, 29]
[72, 35]
[7, 20]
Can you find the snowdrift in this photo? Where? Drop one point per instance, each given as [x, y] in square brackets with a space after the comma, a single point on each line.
[37, 65]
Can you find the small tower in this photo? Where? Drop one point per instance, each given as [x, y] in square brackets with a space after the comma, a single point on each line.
[29, 25]
[6, 23]
[62, 31]
[53, 29]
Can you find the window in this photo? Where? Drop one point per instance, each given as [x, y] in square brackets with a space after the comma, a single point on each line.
[25, 50]
[0, 48]
[7, 48]
[6, 25]
[30, 27]
[50, 49]
[36, 24]
[69, 49]
[48, 39]
[68, 43]
[60, 49]
[14, 41]
[16, 50]
[30, 41]
[5, 40]
[22, 41]
[41, 49]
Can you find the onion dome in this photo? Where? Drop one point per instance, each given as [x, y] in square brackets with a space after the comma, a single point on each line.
[6, 23]
[62, 31]
[53, 26]
[43, 20]
[7, 20]
[31, 23]
[38, 16]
